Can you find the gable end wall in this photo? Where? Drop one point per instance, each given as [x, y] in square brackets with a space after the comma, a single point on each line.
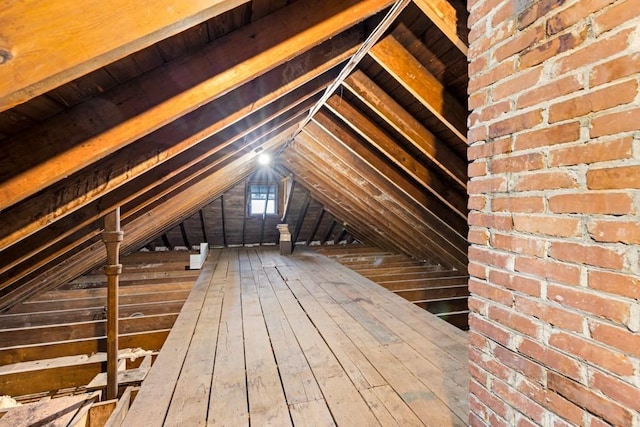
[554, 198]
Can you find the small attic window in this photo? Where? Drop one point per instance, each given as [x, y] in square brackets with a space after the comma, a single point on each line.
[262, 199]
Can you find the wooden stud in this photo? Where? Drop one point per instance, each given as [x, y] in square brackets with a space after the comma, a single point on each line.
[301, 218]
[315, 227]
[203, 226]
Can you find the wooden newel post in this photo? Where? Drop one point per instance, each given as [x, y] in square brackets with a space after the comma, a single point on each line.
[112, 236]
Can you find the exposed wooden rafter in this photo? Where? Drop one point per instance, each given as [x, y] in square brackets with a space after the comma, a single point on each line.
[360, 101]
[405, 68]
[400, 157]
[74, 47]
[368, 195]
[405, 124]
[447, 19]
[160, 100]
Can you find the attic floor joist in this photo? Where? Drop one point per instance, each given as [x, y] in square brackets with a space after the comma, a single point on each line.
[57, 339]
[302, 340]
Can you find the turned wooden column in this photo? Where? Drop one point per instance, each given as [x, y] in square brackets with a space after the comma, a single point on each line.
[112, 236]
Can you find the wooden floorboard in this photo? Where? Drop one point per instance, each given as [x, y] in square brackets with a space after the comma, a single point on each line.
[440, 291]
[265, 339]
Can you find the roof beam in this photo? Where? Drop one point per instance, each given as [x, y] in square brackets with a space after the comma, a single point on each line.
[438, 232]
[25, 219]
[396, 154]
[96, 128]
[74, 41]
[352, 206]
[406, 125]
[414, 77]
[446, 18]
[441, 214]
[406, 222]
[352, 189]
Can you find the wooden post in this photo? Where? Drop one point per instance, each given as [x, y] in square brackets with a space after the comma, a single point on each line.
[112, 236]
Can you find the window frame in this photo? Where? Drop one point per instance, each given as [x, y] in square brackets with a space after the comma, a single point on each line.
[271, 195]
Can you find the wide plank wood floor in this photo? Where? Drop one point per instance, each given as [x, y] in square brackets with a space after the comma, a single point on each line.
[267, 340]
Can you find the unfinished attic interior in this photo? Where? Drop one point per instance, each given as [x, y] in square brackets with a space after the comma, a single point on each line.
[319, 212]
[140, 145]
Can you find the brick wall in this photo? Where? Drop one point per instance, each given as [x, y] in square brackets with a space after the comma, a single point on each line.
[554, 199]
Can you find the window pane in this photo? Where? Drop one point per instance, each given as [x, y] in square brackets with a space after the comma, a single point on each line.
[271, 207]
[257, 207]
[258, 195]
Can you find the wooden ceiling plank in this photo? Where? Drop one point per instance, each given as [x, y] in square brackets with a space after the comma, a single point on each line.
[414, 77]
[94, 129]
[456, 201]
[350, 208]
[72, 37]
[441, 214]
[446, 18]
[344, 191]
[397, 214]
[408, 126]
[440, 234]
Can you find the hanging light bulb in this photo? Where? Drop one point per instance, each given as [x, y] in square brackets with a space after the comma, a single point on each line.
[264, 159]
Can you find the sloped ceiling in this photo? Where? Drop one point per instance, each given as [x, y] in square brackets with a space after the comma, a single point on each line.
[159, 108]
